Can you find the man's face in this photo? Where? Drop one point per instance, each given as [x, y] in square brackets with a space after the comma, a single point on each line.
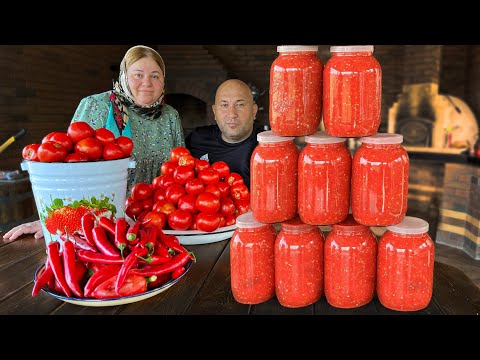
[234, 111]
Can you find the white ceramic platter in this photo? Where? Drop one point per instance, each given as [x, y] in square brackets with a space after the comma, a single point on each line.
[196, 237]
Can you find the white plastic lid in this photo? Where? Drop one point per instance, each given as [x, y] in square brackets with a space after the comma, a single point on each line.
[410, 225]
[321, 137]
[247, 220]
[352, 48]
[270, 137]
[382, 139]
[296, 48]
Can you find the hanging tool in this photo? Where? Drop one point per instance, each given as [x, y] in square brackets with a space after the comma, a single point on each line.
[10, 140]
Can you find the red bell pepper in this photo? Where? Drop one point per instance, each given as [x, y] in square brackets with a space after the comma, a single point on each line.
[129, 263]
[55, 261]
[99, 277]
[133, 284]
[69, 268]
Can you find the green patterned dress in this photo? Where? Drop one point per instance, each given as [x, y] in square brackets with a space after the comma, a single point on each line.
[153, 139]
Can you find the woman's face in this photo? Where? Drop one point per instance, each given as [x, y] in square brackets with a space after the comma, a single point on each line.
[145, 78]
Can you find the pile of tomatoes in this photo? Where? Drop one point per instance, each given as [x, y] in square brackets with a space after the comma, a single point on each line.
[80, 143]
[190, 194]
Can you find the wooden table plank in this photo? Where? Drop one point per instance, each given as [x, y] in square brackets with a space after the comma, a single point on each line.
[13, 251]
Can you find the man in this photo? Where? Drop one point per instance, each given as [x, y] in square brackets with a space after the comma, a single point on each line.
[234, 137]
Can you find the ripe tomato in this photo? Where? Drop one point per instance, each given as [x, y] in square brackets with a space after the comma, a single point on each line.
[194, 186]
[239, 192]
[126, 144]
[90, 147]
[174, 192]
[80, 130]
[134, 209]
[157, 205]
[177, 152]
[61, 138]
[157, 219]
[224, 189]
[187, 203]
[208, 202]
[214, 189]
[141, 191]
[227, 207]
[182, 174]
[201, 165]
[105, 136]
[76, 157]
[133, 284]
[167, 208]
[112, 152]
[234, 178]
[230, 220]
[187, 160]
[168, 167]
[207, 222]
[159, 194]
[147, 204]
[222, 168]
[242, 206]
[209, 176]
[51, 151]
[180, 220]
[29, 152]
[166, 181]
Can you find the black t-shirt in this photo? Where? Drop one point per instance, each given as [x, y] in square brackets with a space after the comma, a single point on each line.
[206, 143]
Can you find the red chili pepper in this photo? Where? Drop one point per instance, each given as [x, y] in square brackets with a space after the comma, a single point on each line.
[142, 236]
[99, 277]
[55, 261]
[159, 259]
[160, 280]
[43, 278]
[90, 256]
[130, 261]
[178, 271]
[79, 242]
[161, 250]
[107, 224]
[103, 243]
[171, 242]
[69, 266]
[176, 261]
[88, 222]
[133, 230]
[151, 238]
[121, 234]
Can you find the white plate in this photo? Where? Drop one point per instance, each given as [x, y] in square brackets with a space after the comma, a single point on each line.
[115, 301]
[197, 237]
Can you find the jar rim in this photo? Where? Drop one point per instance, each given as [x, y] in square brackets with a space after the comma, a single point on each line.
[351, 48]
[321, 137]
[270, 137]
[296, 48]
[382, 139]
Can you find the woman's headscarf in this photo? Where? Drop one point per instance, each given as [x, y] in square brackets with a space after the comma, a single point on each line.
[122, 98]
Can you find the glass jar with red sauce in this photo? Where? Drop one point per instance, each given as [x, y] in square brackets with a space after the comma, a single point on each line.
[252, 267]
[380, 180]
[273, 178]
[350, 264]
[296, 91]
[352, 91]
[405, 261]
[298, 264]
[324, 174]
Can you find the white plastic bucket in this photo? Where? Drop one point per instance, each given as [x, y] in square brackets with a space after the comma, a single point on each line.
[65, 191]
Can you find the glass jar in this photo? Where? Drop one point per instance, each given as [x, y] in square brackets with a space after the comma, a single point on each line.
[380, 180]
[324, 174]
[406, 256]
[350, 264]
[252, 268]
[352, 92]
[296, 91]
[298, 264]
[273, 178]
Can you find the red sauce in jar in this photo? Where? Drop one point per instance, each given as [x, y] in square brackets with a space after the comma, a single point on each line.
[352, 92]
[298, 264]
[252, 267]
[380, 180]
[324, 174]
[295, 103]
[406, 256]
[350, 264]
[273, 178]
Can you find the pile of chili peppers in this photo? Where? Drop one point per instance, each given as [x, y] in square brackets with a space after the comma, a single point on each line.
[111, 259]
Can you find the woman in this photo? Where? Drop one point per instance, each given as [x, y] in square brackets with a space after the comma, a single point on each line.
[134, 108]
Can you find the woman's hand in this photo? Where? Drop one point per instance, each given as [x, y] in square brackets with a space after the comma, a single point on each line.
[34, 227]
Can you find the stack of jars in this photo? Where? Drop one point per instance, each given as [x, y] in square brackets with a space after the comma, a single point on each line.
[320, 184]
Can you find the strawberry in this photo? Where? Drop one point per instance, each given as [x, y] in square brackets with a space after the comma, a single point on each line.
[51, 225]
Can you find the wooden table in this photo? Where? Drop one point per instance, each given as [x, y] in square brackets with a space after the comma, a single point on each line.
[204, 290]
